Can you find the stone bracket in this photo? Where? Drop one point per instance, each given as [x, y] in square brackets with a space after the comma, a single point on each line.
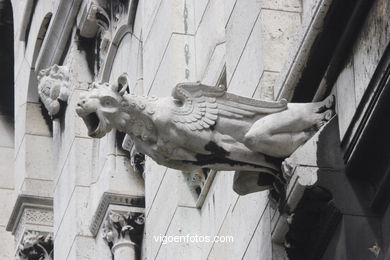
[109, 199]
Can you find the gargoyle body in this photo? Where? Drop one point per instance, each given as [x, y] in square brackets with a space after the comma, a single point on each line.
[205, 127]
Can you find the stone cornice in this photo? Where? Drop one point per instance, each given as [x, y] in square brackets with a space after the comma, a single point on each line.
[27, 201]
[108, 199]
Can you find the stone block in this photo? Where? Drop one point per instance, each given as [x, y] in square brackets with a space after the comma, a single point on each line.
[36, 187]
[6, 168]
[200, 7]
[346, 104]
[250, 65]
[75, 172]
[154, 174]
[177, 65]
[83, 248]
[370, 45]
[184, 222]
[252, 208]
[35, 123]
[209, 34]
[124, 180]
[228, 10]
[260, 246]
[34, 160]
[215, 66]
[7, 244]
[156, 42]
[265, 88]
[74, 222]
[8, 198]
[219, 200]
[163, 209]
[278, 30]
[238, 30]
[149, 11]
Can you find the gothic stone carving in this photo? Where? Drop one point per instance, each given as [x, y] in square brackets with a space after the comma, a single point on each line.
[118, 227]
[36, 246]
[53, 88]
[205, 127]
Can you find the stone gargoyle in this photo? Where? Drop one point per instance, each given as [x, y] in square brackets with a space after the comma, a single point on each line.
[206, 127]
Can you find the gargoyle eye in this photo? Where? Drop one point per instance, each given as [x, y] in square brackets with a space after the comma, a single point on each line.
[108, 102]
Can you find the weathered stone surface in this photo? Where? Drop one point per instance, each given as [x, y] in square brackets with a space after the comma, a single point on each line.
[253, 207]
[265, 88]
[209, 34]
[370, 45]
[178, 65]
[238, 29]
[250, 65]
[8, 244]
[181, 227]
[260, 246]
[346, 103]
[278, 31]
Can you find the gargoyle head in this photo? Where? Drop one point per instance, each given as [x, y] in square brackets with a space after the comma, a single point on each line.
[101, 107]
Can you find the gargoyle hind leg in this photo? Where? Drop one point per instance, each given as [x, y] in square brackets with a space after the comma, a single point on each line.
[280, 134]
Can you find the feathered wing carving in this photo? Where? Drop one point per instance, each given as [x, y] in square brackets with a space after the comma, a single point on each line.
[199, 106]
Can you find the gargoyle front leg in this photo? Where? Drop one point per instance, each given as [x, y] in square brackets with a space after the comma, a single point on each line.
[280, 134]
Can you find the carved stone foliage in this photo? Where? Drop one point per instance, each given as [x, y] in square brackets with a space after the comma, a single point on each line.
[36, 246]
[206, 127]
[119, 226]
[53, 88]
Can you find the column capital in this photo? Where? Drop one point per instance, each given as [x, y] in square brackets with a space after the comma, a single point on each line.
[122, 226]
[36, 245]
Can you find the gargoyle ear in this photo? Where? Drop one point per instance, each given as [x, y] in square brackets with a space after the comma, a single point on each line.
[123, 86]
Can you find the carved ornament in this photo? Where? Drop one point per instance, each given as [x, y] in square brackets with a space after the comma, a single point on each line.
[118, 227]
[53, 88]
[36, 246]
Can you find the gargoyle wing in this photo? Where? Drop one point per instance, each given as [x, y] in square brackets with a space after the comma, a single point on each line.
[199, 106]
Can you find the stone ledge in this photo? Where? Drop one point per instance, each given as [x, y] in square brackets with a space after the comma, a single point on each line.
[27, 201]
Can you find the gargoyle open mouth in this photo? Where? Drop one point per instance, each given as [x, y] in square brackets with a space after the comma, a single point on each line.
[92, 121]
[94, 124]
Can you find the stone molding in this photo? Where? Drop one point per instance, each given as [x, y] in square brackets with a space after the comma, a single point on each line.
[93, 17]
[53, 88]
[24, 211]
[108, 199]
[36, 245]
[57, 35]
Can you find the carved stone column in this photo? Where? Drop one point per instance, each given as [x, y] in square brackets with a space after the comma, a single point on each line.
[123, 233]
